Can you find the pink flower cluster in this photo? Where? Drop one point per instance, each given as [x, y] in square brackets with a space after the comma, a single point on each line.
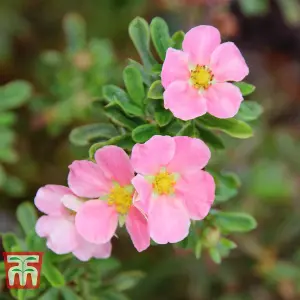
[155, 193]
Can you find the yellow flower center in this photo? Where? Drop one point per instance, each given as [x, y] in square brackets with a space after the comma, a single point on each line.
[163, 183]
[201, 77]
[121, 197]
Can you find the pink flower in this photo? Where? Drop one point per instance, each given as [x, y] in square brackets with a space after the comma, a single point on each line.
[107, 186]
[58, 225]
[195, 79]
[171, 185]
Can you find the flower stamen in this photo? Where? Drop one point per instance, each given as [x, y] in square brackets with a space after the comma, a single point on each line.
[201, 77]
[163, 183]
[121, 197]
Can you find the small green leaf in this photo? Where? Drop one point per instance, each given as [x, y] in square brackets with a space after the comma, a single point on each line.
[227, 185]
[246, 88]
[210, 138]
[198, 249]
[14, 186]
[134, 84]
[112, 92]
[120, 119]
[160, 36]
[145, 75]
[68, 294]
[52, 274]
[27, 216]
[232, 127]
[186, 130]
[215, 255]
[227, 243]
[140, 35]
[9, 240]
[235, 222]
[249, 111]
[254, 7]
[127, 280]
[87, 134]
[157, 69]
[177, 39]
[14, 94]
[143, 133]
[123, 140]
[156, 90]
[162, 116]
[128, 108]
[50, 294]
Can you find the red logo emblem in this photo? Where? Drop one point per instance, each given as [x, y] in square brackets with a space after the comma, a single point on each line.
[23, 269]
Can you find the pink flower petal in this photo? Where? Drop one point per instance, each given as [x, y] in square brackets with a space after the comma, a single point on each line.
[103, 250]
[96, 221]
[149, 157]
[72, 202]
[143, 189]
[85, 251]
[87, 180]
[223, 100]
[191, 154]
[115, 164]
[200, 42]
[228, 64]
[168, 220]
[48, 199]
[137, 227]
[61, 234]
[198, 192]
[184, 101]
[175, 67]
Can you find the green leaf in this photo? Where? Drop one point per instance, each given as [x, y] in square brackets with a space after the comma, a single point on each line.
[145, 75]
[215, 255]
[68, 294]
[124, 140]
[128, 108]
[134, 84]
[254, 7]
[74, 29]
[112, 92]
[14, 94]
[246, 88]
[7, 118]
[198, 249]
[140, 35]
[157, 69]
[120, 119]
[187, 130]
[50, 294]
[210, 138]
[235, 222]
[127, 280]
[160, 36]
[232, 127]
[27, 216]
[162, 116]
[87, 134]
[227, 185]
[143, 133]
[156, 90]
[227, 243]
[249, 111]
[2, 270]
[177, 39]
[52, 274]
[10, 240]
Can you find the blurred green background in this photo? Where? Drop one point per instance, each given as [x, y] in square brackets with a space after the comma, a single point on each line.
[60, 72]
